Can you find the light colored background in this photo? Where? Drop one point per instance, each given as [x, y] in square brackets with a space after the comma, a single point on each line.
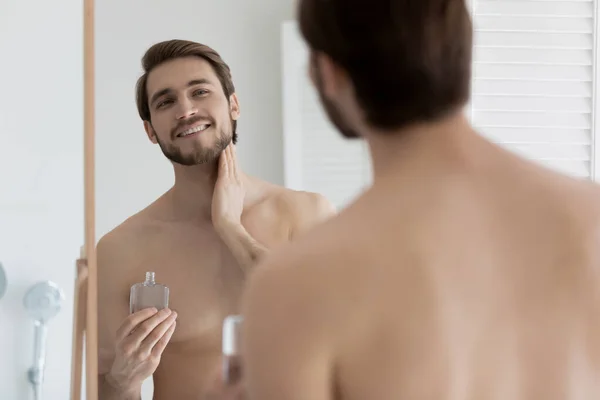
[41, 180]
[41, 188]
[131, 171]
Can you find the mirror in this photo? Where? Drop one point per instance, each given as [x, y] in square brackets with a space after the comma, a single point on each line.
[284, 139]
[142, 225]
[80, 76]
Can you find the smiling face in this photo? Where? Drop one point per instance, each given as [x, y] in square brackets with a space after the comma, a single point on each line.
[191, 118]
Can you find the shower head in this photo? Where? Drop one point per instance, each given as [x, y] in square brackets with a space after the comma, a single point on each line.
[43, 301]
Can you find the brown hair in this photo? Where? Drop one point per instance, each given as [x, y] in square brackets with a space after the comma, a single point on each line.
[172, 49]
[409, 60]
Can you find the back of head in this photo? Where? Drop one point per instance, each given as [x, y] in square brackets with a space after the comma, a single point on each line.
[409, 60]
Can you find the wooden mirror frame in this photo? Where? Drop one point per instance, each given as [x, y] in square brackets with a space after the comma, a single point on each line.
[85, 311]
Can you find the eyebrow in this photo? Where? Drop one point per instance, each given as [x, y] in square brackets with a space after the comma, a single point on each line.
[162, 92]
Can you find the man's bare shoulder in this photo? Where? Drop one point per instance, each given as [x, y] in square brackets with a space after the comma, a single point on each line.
[581, 208]
[312, 311]
[318, 282]
[333, 246]
[302, 208]
[573, 200]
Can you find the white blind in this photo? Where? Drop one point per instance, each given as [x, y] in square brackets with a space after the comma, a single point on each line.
[533, 91]
[316, 157]
[534, 79]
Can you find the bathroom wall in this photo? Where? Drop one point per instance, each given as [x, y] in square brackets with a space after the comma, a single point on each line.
[41, 181]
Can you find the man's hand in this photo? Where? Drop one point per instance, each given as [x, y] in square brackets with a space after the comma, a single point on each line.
[228, 197]
[227, 207]
[141, 340]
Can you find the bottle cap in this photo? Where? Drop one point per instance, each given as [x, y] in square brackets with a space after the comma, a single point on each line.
[150, 277]
[232, 335]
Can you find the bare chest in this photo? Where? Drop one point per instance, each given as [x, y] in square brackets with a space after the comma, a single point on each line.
[204, 279]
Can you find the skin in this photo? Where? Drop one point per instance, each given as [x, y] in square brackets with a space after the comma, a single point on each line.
[201, 239]
[464, 272]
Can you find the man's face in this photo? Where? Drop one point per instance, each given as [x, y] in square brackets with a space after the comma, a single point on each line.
[191, 118]
[331, 109]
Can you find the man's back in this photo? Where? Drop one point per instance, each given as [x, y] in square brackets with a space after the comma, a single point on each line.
[482, 282]
[463, 273]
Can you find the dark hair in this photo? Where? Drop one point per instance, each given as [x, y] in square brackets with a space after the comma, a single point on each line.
[409, 60]
[172, 49]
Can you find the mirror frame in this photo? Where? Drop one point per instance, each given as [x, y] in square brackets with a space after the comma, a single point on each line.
[85, 298]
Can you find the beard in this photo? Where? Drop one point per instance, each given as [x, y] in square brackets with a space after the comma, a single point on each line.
[333, 112]
[199, 154]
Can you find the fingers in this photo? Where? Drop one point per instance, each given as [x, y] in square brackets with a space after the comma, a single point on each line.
[158, 349]
[157, 334]
[228, 162]
[132, 321]
[223, 163]
[231, 161]
[146, 327]
[234, 165]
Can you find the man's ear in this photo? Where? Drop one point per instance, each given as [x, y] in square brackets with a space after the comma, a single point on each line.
[331, 77]
[150, 132]
[234, 107]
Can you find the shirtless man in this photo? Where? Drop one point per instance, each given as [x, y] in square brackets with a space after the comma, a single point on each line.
[464, 272]
[200, 238]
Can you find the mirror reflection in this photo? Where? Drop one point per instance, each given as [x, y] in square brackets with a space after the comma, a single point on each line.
[187, 254]
[191, 188]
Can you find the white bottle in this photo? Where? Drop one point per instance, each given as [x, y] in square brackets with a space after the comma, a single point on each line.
[232, 338]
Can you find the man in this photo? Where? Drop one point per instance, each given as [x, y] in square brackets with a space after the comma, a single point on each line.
[200, 238]
[464, 272]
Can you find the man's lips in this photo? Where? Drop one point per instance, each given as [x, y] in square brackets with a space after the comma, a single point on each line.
[193, 130]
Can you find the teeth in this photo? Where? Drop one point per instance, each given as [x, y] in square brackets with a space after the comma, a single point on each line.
[193, 130]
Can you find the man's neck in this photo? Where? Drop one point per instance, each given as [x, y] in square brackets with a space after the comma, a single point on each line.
[424, 149]
[190, 198]
[191, 195]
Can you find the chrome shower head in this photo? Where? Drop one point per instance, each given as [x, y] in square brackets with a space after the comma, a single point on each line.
[43, 301]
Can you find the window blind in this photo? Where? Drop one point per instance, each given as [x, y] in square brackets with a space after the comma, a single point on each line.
[533, 88]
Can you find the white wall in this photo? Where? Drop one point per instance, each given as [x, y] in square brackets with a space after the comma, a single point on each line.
[131, 172]
[41, 180]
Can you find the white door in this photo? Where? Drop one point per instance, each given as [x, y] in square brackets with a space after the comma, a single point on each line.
[534, 91]
[41, 181]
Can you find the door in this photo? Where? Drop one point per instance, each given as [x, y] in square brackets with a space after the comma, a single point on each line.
[41, 181]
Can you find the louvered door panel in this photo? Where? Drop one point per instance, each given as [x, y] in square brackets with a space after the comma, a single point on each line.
[533, 79]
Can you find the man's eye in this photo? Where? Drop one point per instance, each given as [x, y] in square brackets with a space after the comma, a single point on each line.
[200, 92]
[164, 103]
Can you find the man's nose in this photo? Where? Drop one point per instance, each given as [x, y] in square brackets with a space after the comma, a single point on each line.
[186, 109]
